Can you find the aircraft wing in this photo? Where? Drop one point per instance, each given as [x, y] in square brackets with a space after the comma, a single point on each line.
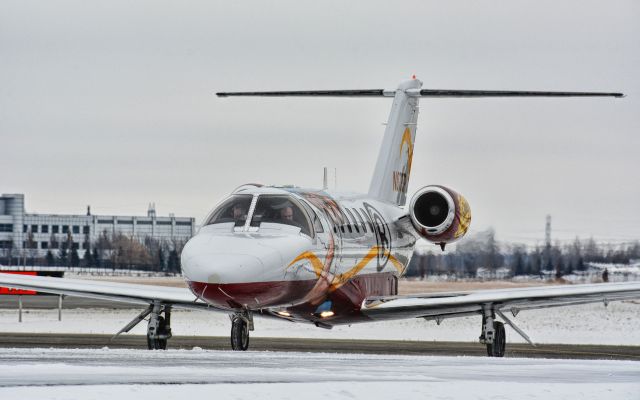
[122, 292]
[439, 306]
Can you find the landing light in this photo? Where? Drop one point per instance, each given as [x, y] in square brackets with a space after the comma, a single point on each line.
[327, 314]
[283, 313]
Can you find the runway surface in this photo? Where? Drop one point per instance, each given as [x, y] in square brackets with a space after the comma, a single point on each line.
[397, 347]
[176, 374]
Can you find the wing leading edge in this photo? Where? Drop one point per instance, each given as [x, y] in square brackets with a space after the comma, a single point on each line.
[458, 304]
[122, 292]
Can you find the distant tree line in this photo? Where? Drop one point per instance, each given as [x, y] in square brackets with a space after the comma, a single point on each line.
[115, 251]
[482, 251]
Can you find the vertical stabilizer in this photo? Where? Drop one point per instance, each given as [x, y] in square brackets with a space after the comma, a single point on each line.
[391, 175]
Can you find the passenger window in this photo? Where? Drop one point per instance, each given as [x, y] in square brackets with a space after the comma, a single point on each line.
[364, 226]
[368, 219]
[351, 220]
[279, 209]
[234, 209]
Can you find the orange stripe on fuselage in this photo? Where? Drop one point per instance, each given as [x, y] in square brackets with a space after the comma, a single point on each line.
[340, 279]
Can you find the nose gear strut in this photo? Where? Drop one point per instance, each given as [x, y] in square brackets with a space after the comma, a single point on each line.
[241, 324]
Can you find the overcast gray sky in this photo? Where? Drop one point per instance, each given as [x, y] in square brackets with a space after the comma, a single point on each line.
[111, 104]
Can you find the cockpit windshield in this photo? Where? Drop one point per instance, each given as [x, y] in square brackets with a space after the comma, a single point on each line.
[280, 209]
[234, 209]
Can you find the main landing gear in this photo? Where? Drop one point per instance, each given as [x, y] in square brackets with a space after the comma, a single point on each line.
[241, 324]
[493, 335]
[159, 327]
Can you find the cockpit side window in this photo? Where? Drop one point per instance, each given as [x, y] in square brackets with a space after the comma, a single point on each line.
[280, 209]
[234, 209]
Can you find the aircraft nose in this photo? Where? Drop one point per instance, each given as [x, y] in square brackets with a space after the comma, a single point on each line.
[237, 272]
[216, 260]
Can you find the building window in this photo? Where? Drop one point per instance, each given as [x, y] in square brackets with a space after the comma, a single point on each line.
[44, 229]
[65, 228]
[85, 229]
[85, 245]
[55, 229]
[105, 221]
[163, 222]
[143, 222]
[34, 228]
[125, 222]
[6, 227]
[54, 244]
[183, 223]
[75, 245]
[76, 229]
[44, 245]
[24, 228]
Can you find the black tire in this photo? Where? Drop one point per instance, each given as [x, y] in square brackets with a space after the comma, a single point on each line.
[156, 343]
[239, 334]
[497, 348]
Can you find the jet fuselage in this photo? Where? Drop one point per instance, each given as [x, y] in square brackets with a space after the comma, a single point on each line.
[320, 267]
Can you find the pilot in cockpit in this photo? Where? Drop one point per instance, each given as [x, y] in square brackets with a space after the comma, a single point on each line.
[239, 213]
[286, 214]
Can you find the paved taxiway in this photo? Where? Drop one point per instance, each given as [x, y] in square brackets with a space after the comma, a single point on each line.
[179, 374]
[360, 345]
[388, 347]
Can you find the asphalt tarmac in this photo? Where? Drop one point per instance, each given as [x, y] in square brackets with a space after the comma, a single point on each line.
[384, 347]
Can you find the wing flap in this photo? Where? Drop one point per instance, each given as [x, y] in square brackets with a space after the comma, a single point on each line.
[447, 305]
[114, 291]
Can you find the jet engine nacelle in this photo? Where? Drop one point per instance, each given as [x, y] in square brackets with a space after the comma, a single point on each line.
[439, 214]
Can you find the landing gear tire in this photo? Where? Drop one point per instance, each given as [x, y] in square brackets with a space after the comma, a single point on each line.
[496, 349]
[156, 343]
[239, 334]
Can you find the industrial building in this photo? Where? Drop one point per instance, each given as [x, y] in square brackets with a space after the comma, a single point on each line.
[40, 232]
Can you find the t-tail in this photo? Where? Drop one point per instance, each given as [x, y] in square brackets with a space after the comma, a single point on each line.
[390, 179]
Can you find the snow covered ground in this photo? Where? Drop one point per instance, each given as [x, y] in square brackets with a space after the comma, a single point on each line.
[619, 323]
[180, 374]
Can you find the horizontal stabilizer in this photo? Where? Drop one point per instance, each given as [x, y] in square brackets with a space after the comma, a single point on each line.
[509, 93]
[321, 93]
[443, 93]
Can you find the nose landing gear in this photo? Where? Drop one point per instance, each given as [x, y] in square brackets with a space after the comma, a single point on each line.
[241, 324]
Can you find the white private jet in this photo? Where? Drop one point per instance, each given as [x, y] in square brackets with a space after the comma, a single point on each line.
[311, 256]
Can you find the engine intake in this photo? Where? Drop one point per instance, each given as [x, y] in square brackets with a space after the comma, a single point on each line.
[439, 214]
